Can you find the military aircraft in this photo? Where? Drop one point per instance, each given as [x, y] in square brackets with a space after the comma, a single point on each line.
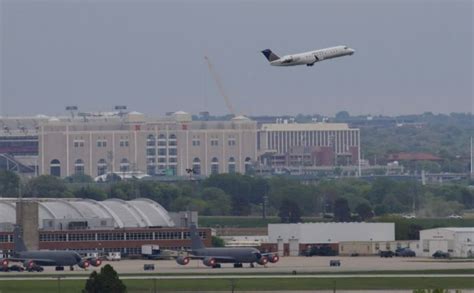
[213, 257]
[307, 58]
[34, 260]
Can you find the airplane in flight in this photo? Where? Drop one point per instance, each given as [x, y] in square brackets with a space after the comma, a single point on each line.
[213, 257]
[35, 260]
[308, 58]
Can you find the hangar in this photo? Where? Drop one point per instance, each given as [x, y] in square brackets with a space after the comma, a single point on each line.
[291, 239]
[458, 242]
[112, 225]
[54, 213]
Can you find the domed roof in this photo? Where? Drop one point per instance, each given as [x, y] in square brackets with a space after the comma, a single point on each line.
[140, 212]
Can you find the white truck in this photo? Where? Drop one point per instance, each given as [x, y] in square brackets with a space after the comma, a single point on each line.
[151, 251]
[114, 256]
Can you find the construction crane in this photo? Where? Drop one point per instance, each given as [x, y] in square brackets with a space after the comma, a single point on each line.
[219, 86]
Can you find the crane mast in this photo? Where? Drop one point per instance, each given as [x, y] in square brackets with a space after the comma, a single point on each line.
[216, 78]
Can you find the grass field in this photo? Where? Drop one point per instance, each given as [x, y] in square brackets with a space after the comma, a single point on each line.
[270, 284]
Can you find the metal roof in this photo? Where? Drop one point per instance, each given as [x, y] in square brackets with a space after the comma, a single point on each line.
[140, 212]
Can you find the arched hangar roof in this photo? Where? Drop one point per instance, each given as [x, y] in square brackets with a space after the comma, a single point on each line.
[140, 212]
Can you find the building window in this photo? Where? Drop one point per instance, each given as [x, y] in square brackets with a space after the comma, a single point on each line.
[196, 142]
[124, 165]
[172, 160]
[55, 168]
[101, 143]
[79, 167]
[162, 140]
[248, 165]
[124, 143]
[78, 143]
[172, 140]
[197, 166]
[172, 152]
[101, 167]
[231, 165]
[214, 166]
[161, 160]
[161, 152]
[151, 141]
[231, 141]
[214, 142]
[150, 152]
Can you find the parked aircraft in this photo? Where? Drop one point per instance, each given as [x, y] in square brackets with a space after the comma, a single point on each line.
[308, 58]
[33, 260]
[213, 257]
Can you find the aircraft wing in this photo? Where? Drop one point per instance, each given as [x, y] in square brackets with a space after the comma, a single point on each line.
[38, 261]
[217, 258]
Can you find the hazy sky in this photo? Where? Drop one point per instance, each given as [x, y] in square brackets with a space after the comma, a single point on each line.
[411, 56]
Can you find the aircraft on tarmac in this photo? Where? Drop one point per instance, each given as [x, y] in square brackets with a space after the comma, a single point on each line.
[213, 257]
[308, 58]
[34, 260]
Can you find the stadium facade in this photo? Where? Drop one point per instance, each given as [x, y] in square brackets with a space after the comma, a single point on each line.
[100, 143]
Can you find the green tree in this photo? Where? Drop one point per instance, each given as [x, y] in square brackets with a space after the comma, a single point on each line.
[289, 212]
[79, 178]
[342, 213]
[47, 186]
[9, 182]
[217, 242]
[107, 281]
[364, 210]
[90, 192]
[218, 202]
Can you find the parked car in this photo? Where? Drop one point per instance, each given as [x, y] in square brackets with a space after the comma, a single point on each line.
[335, 263]
[454, 217]
[405, 252]
[386, 253]
[440, 254]
[149, 267]
[409, 216]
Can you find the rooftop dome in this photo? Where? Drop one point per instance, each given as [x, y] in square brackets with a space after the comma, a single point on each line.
[240, 118]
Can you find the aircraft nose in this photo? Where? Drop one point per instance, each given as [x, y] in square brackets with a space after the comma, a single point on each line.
[352, 51]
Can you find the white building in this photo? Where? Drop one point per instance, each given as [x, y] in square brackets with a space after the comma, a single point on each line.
[459, 242]
[298, 236]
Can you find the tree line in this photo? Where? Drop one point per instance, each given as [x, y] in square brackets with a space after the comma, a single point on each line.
[242, 195]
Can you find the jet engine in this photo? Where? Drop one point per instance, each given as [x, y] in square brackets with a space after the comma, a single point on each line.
[182, 260]
[262, 261]
[83, 264]
[209, 261]
[273, 258]
[28, 264]
[95, 262]
[4, 262]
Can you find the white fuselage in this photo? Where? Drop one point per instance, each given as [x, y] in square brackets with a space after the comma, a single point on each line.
[311, 57]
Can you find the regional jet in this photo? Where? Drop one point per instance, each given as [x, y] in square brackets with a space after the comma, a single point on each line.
[34, 260]
[213, 257]
[308, 58]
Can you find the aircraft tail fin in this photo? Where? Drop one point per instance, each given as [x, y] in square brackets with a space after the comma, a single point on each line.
[196, 242]
[270, 55]
[19, 244]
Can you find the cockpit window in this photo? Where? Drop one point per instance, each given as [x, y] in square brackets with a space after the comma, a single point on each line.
[345, 47]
